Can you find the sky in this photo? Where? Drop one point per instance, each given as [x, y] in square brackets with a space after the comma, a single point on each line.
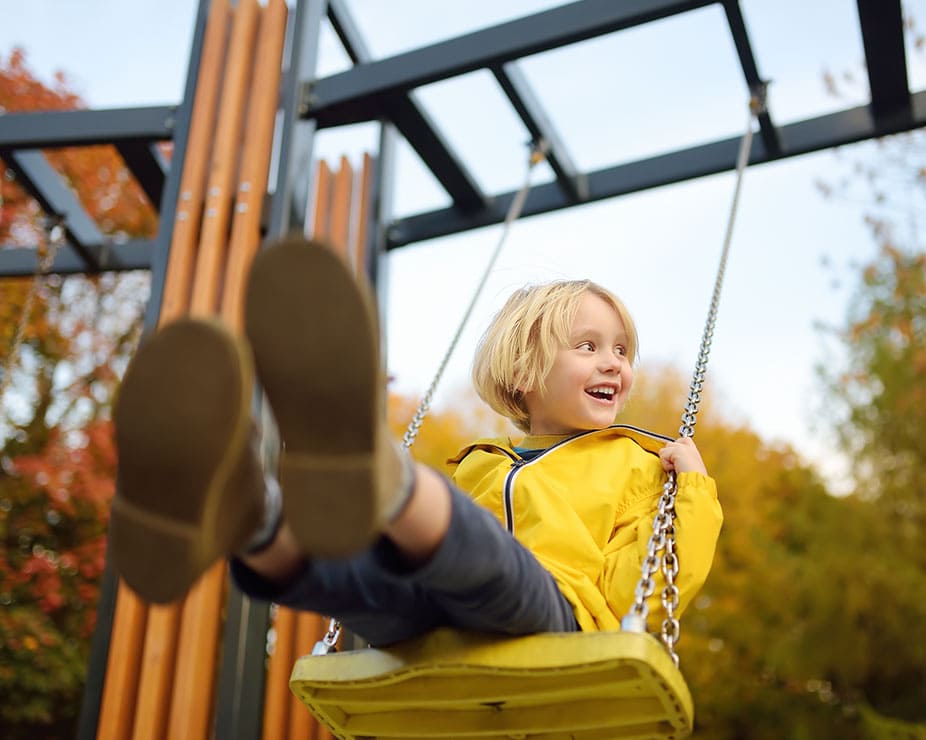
[664, 86]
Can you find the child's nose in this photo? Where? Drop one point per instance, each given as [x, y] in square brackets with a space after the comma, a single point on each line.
[611, 361]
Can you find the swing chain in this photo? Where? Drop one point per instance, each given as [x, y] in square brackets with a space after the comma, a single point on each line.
[663, 537]
[328, 643]
[538, 152]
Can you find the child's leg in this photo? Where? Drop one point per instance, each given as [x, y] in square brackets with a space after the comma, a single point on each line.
[475, 577]
[191, 491]
[417, 531]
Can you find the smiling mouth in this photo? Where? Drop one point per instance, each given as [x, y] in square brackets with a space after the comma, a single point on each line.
[602, 393]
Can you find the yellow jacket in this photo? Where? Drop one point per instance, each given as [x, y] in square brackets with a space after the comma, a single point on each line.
[585, 509]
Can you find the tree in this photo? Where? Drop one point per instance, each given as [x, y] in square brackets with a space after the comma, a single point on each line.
[879, 395]
[61, 364]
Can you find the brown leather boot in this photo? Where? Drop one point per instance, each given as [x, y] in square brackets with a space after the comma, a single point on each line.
[190, 489]
[315, 336]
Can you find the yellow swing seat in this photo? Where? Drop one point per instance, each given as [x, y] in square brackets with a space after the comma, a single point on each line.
[450, 684]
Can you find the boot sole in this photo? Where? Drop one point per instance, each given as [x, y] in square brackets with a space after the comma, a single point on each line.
[315, 338]
[182, 424]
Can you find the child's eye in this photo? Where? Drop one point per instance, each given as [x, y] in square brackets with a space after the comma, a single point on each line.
[587, 346]
[621, 350]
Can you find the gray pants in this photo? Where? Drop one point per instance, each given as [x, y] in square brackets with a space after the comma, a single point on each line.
[480, 579]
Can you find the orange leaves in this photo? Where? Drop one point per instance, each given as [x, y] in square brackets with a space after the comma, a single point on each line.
[98, 176]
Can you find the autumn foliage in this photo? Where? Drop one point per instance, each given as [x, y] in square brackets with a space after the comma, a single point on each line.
[58, 460]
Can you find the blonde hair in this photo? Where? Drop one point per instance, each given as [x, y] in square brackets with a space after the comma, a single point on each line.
[518, 349]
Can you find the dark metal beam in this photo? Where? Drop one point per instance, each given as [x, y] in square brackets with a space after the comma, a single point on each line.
[147, 166]
[751, 72]
[882, 36]
[355, 95]
[422, 134]
[348, 32]
[289, 208]
[134, 255]
[52, 129]
[837, 129]
[412, 121]
[528, 107]
[42, 181]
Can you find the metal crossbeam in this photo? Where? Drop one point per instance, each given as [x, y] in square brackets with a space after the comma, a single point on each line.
[516, 86]
[148, 167]
[751, 72]
[882, 37]
[352, 96]
[42, 181]
[133, 255]
[412, 121]
[53, 129]
[836, 129]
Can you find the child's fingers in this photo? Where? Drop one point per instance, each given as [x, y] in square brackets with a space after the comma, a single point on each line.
[682, 456]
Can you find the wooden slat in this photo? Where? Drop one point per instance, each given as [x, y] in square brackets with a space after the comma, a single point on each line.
[191, 707]
[127, 669]
[191, 703]
[332, 224]
[340, 209]
[123, 667]
[302, 726]
[277, 704]
[255, 165]
[158, 661]
[322, 201]
[210, 261]
[364, 212]
[183, 243]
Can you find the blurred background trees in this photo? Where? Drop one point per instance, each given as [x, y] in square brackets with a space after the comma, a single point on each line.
[812, 623]
[62, 356]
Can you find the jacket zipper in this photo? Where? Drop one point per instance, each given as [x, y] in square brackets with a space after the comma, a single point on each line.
[517, 463]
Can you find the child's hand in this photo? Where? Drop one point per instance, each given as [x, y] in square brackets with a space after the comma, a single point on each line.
[682, 456]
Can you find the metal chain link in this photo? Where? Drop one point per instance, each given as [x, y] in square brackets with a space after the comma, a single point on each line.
[660, 549]
[538, 152]
[53, 230]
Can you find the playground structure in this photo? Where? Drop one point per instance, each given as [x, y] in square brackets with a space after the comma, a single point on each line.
[169, 658]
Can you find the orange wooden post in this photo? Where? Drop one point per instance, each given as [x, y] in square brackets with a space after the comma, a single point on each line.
[174, 619]
[225, 158]
[340, 209]
[362, 231]
[183, 243]
[336, 220]
[277, 704]
[157, 672]
[200, 630]
[255, 164]
[302, 726]
[123, 668]
[126, 674]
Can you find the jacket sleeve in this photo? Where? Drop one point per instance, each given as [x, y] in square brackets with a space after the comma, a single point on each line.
[697, 527]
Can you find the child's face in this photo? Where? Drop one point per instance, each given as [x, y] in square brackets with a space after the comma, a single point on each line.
[591, 375]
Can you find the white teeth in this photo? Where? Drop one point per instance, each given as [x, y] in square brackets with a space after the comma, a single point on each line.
[603, 389]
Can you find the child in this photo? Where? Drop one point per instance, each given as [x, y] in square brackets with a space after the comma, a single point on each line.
[355, 529]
